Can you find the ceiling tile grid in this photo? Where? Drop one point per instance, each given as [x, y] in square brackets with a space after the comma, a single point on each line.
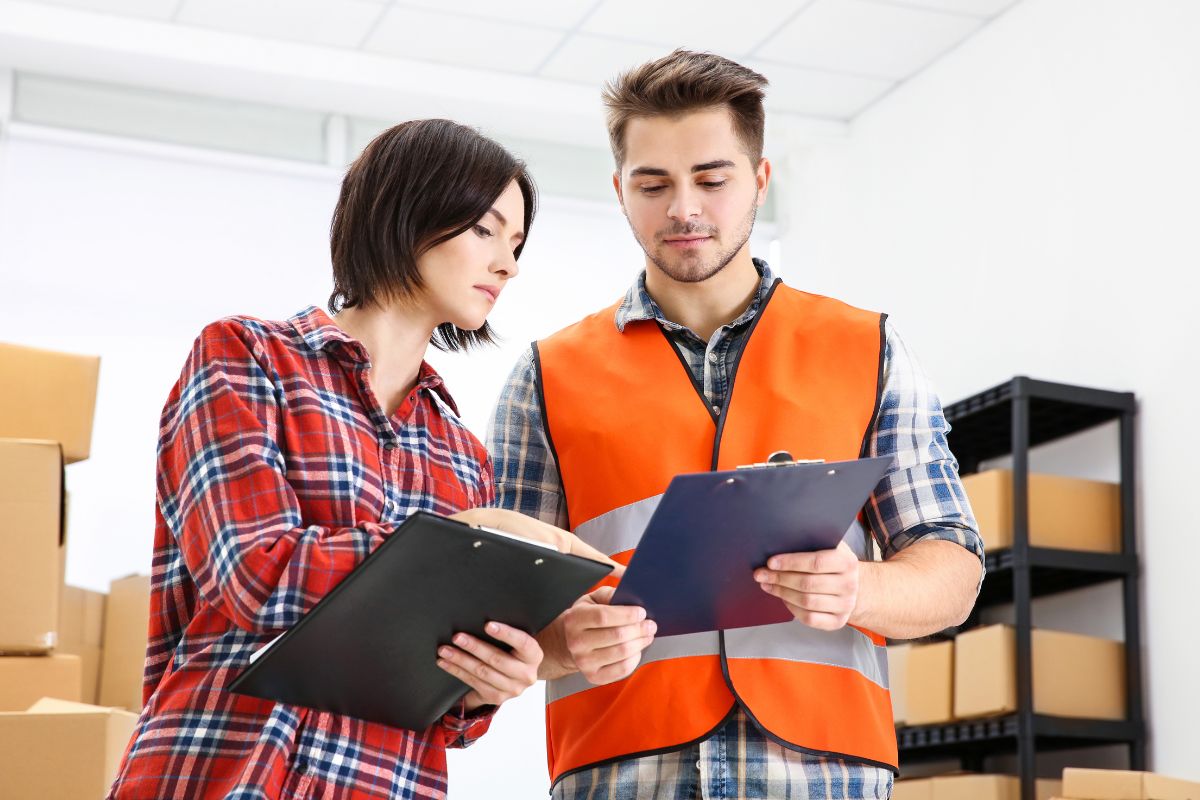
[825, 58]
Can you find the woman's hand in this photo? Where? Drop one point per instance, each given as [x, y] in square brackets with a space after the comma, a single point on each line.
[493, 675]
[522, 525]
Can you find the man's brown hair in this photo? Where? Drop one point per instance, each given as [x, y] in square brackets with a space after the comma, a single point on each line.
[682, 82]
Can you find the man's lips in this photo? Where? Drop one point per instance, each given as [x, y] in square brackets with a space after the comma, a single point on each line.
[685, 242]
[490, 291]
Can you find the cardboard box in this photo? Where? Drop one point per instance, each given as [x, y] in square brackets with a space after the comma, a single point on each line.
[1067, 513]
[913, 789]
[1048, 788]
[126, 620]
[929, 684]
[1117, 784]
[1073, 675]
[897, 655]
[61, 750]
[976, 787]
[49, 395]
[81, 633]
[25, 679]
[986, 787]
[31, 540]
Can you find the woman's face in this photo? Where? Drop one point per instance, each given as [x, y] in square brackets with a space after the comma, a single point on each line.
[464, 276]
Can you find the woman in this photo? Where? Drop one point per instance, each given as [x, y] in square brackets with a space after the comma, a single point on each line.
[288, 451]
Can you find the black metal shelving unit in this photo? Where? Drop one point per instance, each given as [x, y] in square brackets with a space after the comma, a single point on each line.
[1010, 419]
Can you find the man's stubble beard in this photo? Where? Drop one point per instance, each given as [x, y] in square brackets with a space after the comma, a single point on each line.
[688, 269]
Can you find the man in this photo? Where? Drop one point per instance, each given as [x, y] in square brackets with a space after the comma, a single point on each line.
[709, 362]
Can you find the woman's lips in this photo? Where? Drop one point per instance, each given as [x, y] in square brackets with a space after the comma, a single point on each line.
[492, 294]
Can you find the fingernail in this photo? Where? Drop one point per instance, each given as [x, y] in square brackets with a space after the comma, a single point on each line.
[773, 563]
[641, 614]
[460, 639]
[651, 627]
[493, 627]
[760, 576]
[444, 652]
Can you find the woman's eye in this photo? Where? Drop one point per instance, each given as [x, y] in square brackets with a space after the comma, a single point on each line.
[482, 231]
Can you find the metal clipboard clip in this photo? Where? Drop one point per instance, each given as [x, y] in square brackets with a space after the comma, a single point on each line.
[781, 458]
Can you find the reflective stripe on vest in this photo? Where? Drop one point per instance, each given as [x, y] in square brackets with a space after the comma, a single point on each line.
[623, 417]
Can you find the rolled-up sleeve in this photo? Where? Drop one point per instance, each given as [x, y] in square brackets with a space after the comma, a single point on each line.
[921, 497]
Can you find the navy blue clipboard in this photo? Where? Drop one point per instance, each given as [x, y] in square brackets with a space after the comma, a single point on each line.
[694, 567]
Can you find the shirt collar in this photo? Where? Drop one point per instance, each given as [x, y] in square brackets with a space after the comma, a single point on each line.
[639, 305]
[320, 333]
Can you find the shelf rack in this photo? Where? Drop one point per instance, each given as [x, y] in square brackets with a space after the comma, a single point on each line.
[1010, 419]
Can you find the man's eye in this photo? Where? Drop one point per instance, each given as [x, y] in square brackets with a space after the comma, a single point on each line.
[652, 189]
[482, 231]
[713, 184]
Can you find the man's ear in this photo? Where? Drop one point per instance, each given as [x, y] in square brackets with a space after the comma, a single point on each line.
[762, 177]
[617, 189]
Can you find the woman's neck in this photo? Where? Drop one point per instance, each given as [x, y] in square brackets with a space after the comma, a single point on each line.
[396, 338]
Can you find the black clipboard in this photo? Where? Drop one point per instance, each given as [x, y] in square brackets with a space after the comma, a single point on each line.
[693, 569]
[368, 649]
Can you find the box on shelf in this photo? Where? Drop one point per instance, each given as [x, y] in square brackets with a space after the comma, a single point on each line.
[1073, 675]
[31, 541]
[25, 679]
[897, 655]
[1118, 784]
[929, 684]
[126, 620]
[81, 633]
[62, 750]
[913, 789]
[49, 395]
[970, 786]
[1066, 513]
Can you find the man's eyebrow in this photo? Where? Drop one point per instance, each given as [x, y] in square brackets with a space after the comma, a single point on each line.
[638, 171]
[707, 165]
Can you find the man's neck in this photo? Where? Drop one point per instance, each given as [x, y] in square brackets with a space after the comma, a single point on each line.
[705, 306]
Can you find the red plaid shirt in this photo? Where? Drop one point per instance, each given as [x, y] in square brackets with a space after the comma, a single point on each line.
[278, 472]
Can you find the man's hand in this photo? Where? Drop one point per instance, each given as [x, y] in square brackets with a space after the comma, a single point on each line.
[819, 588]
[605, 642]
[493, 675]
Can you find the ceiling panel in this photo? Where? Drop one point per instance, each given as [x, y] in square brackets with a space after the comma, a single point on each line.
[978, 8]
[338, 23]
[463, 41]
[867, 38]
[596, 59]
[150, 9]
[700, 24]
[561, 14]
[819, 94]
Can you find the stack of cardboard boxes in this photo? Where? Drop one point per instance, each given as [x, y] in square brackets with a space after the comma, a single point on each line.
[70, 659]
[974, 675]
[1076, 784]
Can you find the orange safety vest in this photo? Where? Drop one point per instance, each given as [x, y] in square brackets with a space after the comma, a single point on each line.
[623, 417]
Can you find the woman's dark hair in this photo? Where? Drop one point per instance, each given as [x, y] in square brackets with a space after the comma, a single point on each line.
[415, 186]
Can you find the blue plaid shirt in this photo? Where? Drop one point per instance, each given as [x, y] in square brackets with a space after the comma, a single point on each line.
[921, 497]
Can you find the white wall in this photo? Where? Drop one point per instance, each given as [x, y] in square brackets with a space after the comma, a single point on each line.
[127, 250]
[1028, 206]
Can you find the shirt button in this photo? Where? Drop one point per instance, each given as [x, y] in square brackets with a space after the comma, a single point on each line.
[712, 358]
[389, 445]
[697, 765]
[717, 410]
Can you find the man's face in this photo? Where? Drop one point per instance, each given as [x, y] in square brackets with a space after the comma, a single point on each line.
[689, 191]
